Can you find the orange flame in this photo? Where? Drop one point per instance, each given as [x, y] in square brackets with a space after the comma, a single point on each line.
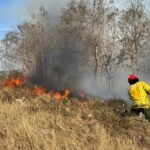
[14, 82]
[56, 95]
[59, 96]
[67, 93]
[40, 91]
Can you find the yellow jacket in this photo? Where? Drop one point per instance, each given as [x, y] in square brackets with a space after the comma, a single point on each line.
[138, 93]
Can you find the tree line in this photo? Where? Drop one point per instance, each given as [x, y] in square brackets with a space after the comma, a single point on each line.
[97, 36]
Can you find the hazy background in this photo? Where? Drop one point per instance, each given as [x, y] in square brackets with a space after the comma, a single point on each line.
[14, 12]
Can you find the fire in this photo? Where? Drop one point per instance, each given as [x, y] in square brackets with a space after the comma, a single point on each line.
[14, 82]
[38, 91]
[67, 93]
[57, 96]
[62, 95]
[17, 82]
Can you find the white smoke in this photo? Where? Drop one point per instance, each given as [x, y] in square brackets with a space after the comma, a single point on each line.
[22, 10]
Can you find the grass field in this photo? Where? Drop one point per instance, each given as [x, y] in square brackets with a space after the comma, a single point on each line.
[41, 123]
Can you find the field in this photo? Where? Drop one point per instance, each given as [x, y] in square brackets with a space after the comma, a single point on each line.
[41, 123]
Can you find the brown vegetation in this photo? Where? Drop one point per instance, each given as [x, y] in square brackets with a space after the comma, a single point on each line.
[92, 41]
[38, 123]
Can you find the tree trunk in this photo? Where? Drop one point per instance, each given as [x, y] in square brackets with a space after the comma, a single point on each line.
[96, 62]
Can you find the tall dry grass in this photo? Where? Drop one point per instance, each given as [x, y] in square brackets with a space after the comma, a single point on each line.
[39, 123]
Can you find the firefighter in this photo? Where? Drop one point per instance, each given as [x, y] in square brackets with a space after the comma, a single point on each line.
[138, 92]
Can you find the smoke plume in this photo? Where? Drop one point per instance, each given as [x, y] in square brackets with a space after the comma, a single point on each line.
[66, 65]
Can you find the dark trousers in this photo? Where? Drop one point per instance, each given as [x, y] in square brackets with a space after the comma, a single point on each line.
[145, 111]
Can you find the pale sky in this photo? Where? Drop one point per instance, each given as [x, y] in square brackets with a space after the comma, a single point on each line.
[13, 12]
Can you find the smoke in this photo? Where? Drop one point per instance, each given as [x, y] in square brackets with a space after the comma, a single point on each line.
[66, 65]
[53, 6]
[118, 89]
[20, 11]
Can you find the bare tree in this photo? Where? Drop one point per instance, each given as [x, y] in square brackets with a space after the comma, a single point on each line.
[90, 25]
[110, 52]
[10, 58]
[96, 29]
[29, 45]
[133, 31]
[34, 43]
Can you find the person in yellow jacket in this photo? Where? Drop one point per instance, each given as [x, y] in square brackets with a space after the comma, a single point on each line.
[138, 92]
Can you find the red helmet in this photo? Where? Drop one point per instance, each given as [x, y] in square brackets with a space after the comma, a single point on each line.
[132, 77]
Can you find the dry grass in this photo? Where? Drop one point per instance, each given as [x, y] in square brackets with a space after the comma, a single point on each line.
[38, 123]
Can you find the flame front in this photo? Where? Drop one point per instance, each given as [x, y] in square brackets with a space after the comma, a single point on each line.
[62, 95]
[57, 96]
[17, 82]
[14, 82]
[38, 91]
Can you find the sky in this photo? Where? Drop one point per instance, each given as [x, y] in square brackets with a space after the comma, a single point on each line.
[13, 12]
[9, 16]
